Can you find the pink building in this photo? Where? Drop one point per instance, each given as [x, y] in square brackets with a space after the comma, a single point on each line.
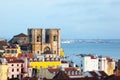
[15, 67]
[18, 68]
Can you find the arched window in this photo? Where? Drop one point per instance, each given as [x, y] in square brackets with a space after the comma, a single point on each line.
[55, 38]
[39, 38]
[47, 50]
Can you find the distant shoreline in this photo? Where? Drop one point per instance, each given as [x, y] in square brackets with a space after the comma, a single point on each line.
[68, 41]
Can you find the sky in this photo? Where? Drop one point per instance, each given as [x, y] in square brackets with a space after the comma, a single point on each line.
[77, 19]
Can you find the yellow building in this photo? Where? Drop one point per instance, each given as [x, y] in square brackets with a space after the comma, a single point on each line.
[61, 52]
[48, 62]
[111, 67]
[39, 65]
[3, 72]
[12, 50]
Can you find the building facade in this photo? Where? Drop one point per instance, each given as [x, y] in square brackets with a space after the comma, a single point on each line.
[46, 62]
[97, 63]
[3, 71]
[89, 63]
[14, 68]
[44, 41]
[12, 50]
[106, 64]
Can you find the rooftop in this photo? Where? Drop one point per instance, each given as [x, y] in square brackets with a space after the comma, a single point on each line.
[21, 35]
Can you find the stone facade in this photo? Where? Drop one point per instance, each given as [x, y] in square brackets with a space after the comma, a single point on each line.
[44, 41]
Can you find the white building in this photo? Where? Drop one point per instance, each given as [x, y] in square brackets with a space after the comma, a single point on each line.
[102, 64]
[95, 63]
[89, 63]
[64, 64]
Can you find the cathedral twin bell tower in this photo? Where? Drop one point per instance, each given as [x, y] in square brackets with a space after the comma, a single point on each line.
[44, 41]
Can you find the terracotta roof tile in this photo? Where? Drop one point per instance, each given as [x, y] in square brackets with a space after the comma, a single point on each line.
[53, 70]
[94, 74]
[102, 73]
[70, 69]
[13, 60]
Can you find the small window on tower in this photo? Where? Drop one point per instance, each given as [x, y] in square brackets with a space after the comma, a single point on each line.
[38, 39]
[55, 38]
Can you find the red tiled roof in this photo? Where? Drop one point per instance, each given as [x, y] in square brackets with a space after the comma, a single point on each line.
[19, 55]
[70, 69]
[102, 73]
[109, 59]
[93, 57]
[28, 55]
[117, 74]
[61, 75]
[94, 74]
[30, 78]
[13, 60]
[112, 77]
[53, 70]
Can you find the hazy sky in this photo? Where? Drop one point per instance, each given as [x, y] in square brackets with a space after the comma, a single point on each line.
[78, 19]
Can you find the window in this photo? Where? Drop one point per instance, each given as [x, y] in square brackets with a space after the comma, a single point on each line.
[55, 38]
[99, 60]
[68, 72]
[21, 76]
[17, 69]
[38, 39]
[15, 51]
[12, 65]
[12, 70]
[22, 70]
[81, 70]
[12, 51]
[12, 76]
[98, 67]
[81, 65]
[8, 51]
[21, 65]
[17, 76]
[76, 72]
[17, 64]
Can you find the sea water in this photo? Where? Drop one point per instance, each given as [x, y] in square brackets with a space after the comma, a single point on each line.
[73, 48]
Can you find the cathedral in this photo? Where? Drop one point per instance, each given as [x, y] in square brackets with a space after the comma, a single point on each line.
[44, 41]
